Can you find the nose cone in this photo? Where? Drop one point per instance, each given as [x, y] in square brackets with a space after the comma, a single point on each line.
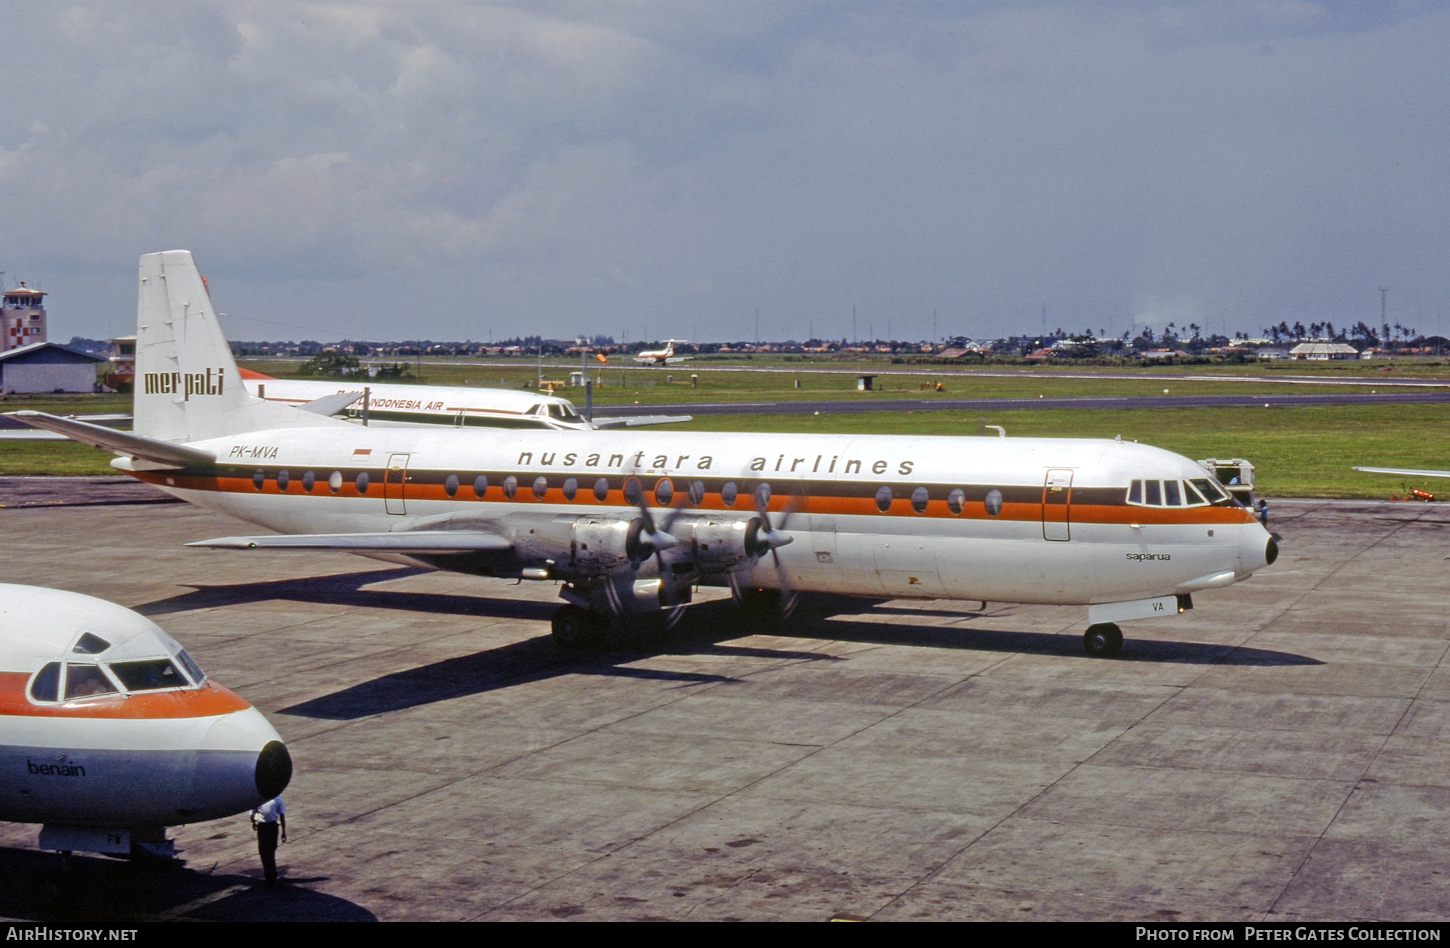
[1257, 549]
[241, 763]
[274, 770]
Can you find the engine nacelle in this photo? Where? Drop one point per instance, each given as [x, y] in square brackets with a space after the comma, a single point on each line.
[716, 546]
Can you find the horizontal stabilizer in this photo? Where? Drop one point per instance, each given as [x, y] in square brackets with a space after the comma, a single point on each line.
[330, 404]
[641, 420]
[419, 541]
[121, 442]
[1401, 470]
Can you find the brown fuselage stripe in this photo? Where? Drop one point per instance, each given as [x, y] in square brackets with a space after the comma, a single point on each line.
[1022, 503]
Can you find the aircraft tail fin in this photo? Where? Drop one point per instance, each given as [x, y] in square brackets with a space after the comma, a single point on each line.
[187, 384]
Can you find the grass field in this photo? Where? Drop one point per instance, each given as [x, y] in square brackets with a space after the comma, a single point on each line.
[1299, 451]
[783, 381]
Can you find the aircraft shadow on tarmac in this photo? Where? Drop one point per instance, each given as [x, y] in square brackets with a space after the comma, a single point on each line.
[94, 889]
[708, 629]
[347, 589]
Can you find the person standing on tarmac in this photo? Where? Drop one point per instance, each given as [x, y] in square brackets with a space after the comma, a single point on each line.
[269, 821]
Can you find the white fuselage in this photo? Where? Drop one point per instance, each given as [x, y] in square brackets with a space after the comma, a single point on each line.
[455, 405]
[1017, 520]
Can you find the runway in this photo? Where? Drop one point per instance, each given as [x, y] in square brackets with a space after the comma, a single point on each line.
[1275, 399]
[1277, 754]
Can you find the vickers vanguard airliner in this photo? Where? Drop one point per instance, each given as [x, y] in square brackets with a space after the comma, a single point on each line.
[632, 522]
[109, 732]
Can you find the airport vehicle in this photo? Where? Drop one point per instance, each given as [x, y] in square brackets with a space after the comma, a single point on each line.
[456, 405]
[109, 732]
[631, 522]
[662, 356]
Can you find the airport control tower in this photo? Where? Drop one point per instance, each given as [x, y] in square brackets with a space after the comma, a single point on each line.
[22, 318]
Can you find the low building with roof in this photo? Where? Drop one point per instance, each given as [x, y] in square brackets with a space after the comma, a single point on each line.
[47, 367]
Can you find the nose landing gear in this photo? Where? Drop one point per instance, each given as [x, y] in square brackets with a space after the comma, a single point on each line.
[1103, 640]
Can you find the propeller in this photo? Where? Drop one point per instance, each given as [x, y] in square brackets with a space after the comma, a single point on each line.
[645, 540]
[761, 536]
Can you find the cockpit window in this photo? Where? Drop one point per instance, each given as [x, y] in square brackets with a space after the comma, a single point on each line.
[1210, 489]
[84, 681]
[89, 644]
[149, 675]
[192, 668]
[1169, 492]
[45, 685]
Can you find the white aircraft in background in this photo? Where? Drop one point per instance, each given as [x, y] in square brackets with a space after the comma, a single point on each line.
[662, 356]
[455, 405]
[1400, 470]
[631, 522]
[109, 732]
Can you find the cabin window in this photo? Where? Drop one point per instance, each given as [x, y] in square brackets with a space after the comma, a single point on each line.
[957, 500]
[362, 482]
[510, 486]
[282, 479]
[697, 492]
[450, 486]
[334, 483]
[480, 485]
[571, 487]
[919, 499]
[633, 493]
[259, 477]
[664, 492]
[728, 493]
[993, 502]
[762, 495]
[308, 480]
[601, 489]
[883, 499]
[541, 486]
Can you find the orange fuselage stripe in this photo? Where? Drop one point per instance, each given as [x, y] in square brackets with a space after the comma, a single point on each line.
[207, 701]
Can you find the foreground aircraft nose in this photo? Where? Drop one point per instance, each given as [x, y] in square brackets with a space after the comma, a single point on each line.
[241, 763]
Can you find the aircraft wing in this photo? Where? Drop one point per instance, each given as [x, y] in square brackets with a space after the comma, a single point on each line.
[641, 420]
[1401, 470]
[417, 541]
[121, 442]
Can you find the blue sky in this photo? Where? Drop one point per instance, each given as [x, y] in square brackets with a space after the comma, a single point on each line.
[479, 170]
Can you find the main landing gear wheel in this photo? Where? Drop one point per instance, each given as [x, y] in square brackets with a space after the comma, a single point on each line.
[1103, 640]
[576, 629]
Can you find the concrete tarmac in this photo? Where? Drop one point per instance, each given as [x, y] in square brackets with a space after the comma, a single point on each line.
[1277, 754]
